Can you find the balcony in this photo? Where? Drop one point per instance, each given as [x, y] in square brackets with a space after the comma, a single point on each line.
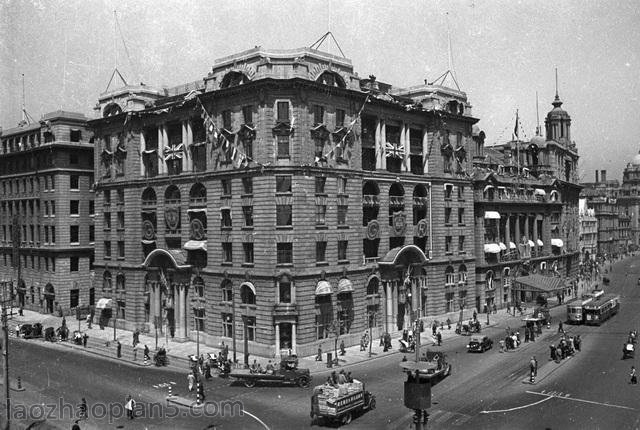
[370, 200]
[285, 309]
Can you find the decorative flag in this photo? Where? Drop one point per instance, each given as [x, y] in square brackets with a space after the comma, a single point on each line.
[515, 128]
[394, 150]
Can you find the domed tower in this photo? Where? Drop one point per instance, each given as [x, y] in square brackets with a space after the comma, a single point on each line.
[558, 121]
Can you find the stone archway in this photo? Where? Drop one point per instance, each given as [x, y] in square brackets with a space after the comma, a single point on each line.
[402, 279]
[168, 277]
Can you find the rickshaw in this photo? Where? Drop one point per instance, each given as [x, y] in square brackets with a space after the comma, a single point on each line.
[50, 334]
[160, 357]
[407, 346]
[628, 351]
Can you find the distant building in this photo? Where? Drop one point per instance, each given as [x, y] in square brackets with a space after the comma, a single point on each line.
[629, 202]
[526, 209]
[602, 196]
[47, 208]
[282, 200]
[588, 231]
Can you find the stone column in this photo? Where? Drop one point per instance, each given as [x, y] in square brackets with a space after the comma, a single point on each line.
[389, 308]
[535, 229]
[177, 311]
[183, 310]
[507, 232]
[277, 347]
[405, 142]
[158, 304]
[378, 140]
[518, 233]
[162, 167]
[152, 307]
[394, 307]
[294, 342]
[143, 146]
[415, 291]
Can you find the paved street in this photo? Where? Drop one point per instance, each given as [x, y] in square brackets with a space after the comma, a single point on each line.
[484, 391]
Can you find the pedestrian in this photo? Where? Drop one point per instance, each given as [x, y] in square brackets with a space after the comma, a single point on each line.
[75, 425]
[18, 330]
[526, 334]
[533, 369]
[319, 356]
[20, 311]
[191, 379]
[434, 327]
[634, 378]
[495, 309]
[532, 335]
[439, 337]
[342, 350]
[577, 342]
[475, 315]
[508, 308]
[560, 328]
[404, 358]
[85, 338]
[146, 353]
[118, 348]
[136, 336]
[130, 405]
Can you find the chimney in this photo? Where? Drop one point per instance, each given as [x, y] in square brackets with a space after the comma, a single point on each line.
[596, 176]
[603, 175]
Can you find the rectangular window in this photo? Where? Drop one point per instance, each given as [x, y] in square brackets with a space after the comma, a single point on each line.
[247, 114]
[199, 316]
[284, 216]
[53, 208]
[227, 252]
[247, 211]
[107, 220]
[247, 185]
[53, 182]
[74, 262]
[321, 252]
[282, 111]
[447, 215]
[461, 244]
[75, 136]
[447, 245]
[74, 236]
[92, 207]
[227, 325]
[120, 249]
[248, 252]
[448, 190]
[92, 234]
[283, 184]
[120, 220]
[226, 218]
[226, 187]
[342, 214]
[107, 249]
[46, 233]
[283, 145]
[339, 118]
[74, 207]
[285, 253]
[250, 324]
[73, 159]
[320, 184]
[342, 250]
[74, 182]
[53, 234]
[461, 216]
[342, 185]
[318, 114]
[321, 212]
[53, 264]
[460, 192]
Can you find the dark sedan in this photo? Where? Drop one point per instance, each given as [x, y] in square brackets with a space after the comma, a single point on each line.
[479, 344]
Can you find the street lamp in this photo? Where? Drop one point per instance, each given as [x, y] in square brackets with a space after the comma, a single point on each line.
[197, 327]
[115, 317]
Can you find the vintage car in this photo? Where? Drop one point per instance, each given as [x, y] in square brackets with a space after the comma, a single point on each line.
[479, 344]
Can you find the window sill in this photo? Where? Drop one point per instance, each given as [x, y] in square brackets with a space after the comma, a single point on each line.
[284, 264]
[284, 157]
[227, 263]
[322, 226]
[321, 263]
[448, 224]
[248, 264]
[284, 227]
[107, 257]
[448, 253]
[343, 227]
[74, 190]
[74, 215]
[343, 261]
[74, 243]
[226, 228]
[247, 227]
[461, 225]
[121, 258]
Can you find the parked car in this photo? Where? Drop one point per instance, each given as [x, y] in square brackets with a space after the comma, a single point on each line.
[479, 344]
[25, 330]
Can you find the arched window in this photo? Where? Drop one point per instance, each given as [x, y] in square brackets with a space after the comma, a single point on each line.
[332, 79]
[227, 290]
[149, 197]
[450, 276]
[373, 287]
[396, 200]
[120, 282]
[489, 279]
[198, 194]
[106, 281]
[233, 79]
[172, 195]
[462, 274]
[111, 109]
[247, 295]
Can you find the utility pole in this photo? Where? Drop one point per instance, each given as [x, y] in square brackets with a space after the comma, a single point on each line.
[5, 358]
[233, 321]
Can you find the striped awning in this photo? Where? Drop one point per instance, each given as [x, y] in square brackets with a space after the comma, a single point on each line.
[531, 243]
[557, 242]
[502, 246]
[491, 248]
[491, 215]
[539, 242]
[512, 245]
[323, 288]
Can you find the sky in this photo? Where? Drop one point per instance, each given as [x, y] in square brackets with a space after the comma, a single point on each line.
[502, 53]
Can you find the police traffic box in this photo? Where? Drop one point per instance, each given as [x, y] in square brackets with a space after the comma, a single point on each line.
[417, 387]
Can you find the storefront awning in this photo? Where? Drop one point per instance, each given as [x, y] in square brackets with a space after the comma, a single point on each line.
[491, 215]
[557, 242]
[488, 187]
[190, 210]
[502, 246]
[323, 288]
[539, 192]
[512, 245]
[539, 242]
[344, 286]
[104, 303]
[250, 286]
[147, 242]
[491, 248]
[196, 245]
[543, 283]
[531, 243]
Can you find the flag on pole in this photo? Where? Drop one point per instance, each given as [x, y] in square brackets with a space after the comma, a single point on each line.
[515, 128]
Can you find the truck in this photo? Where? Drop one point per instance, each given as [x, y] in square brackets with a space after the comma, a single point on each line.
[288, 373]
[340, 404]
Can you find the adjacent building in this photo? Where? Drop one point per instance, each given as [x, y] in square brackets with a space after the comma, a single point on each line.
[47, 212]
[588, 231]
[526, 214]
[629, 202]
[282, 200]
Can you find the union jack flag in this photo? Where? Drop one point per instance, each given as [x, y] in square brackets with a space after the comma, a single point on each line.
[394, 150]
